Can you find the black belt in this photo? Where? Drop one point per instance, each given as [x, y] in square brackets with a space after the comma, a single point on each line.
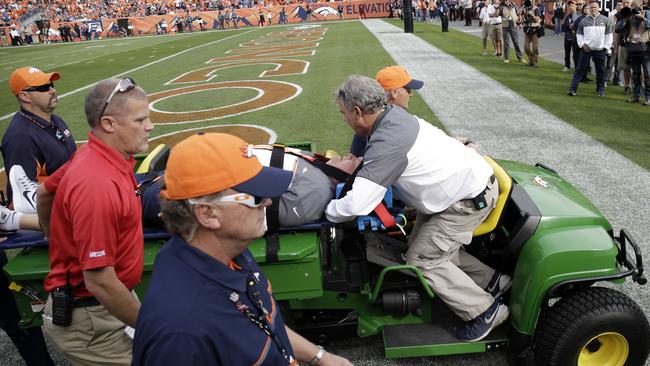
[83, 302]
[479, 201]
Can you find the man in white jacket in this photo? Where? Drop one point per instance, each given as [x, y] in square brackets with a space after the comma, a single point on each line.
[594, 37]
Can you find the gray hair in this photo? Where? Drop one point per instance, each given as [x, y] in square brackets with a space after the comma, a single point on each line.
[363, 92]
[96, 99]
[178, 216]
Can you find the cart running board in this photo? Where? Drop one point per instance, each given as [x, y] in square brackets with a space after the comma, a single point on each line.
[418, 340]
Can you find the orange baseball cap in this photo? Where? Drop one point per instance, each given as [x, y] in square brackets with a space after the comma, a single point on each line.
[208, 163]
[28, 76]
[393, 77]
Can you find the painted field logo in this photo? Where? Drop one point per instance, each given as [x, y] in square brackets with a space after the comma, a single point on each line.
[274, 51]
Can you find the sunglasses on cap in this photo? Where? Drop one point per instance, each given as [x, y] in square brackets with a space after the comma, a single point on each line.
[241, 198]
[123, 86]
[41, 88]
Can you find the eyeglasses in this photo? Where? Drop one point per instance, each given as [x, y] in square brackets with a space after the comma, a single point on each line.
[123, 86]
[40, 88]
[242, 198]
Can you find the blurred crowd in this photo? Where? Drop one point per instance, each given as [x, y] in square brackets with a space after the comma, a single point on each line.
[81, 10]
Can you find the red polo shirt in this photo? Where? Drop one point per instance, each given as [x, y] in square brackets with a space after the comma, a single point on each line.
[96, 218]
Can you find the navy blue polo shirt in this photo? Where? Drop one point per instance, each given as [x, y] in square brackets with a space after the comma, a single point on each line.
[189, 315]
[39, 146]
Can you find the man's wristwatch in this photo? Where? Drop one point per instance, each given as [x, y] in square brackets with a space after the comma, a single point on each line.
[318, 356]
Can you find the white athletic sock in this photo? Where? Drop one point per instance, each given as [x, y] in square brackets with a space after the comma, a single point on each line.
[9, 219]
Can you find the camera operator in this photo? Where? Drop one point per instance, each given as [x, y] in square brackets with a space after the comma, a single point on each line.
[532, 19]
[594, 36]
[510, 26]
[636, 37]
[621, 58]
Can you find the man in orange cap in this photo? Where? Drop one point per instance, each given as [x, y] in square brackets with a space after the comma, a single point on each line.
[41, 142]
[399, 86]
[208, 302]
[36, 139]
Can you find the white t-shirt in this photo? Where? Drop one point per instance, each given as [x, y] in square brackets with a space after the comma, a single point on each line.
[483, 15]
[492, 10]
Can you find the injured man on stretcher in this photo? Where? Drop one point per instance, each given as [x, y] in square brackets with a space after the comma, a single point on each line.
[312, 188]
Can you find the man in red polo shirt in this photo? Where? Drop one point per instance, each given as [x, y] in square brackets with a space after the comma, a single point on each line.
[96, 240]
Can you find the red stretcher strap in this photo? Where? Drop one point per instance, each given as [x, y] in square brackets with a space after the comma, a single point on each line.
[384, 216]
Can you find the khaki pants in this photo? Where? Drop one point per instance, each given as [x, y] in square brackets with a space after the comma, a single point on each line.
[436, 247]
[531, 47]
[95, 337]
[485, 31]
[496, 32]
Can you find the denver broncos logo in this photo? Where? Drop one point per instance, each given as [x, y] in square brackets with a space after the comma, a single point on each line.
[324, 11]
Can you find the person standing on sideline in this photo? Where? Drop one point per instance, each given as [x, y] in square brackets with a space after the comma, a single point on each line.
[637, 34]
[510, 24]
[594, 36]
[96, 245]
[36, 138]
[569, 18]
[215, 208]
[468, 13]
[558, 16]
[494, 12]
[532, 20]
[40, 142]
[484, 19]
[443, 9]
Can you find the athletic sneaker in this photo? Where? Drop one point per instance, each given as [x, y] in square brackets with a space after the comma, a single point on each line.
[499, 284]
[479, 327]
[571, 93]
[506, 61]
[600, 93]
[522, 61]
[565, 69]
[8, 220]
[23, 190]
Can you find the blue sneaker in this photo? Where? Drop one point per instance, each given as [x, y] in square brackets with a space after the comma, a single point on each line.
[479, 327]
[499, 284]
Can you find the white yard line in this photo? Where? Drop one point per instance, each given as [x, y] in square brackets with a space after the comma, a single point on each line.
[144, 66]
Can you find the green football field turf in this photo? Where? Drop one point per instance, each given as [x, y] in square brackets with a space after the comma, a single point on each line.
[619, 125]
[346, 48]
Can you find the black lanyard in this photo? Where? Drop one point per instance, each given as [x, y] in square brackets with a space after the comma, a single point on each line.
[58, 133]
[252, 290]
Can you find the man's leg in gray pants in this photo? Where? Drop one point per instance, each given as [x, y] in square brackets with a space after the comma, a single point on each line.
[436, 247]
[514, 34]
[507, 33]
